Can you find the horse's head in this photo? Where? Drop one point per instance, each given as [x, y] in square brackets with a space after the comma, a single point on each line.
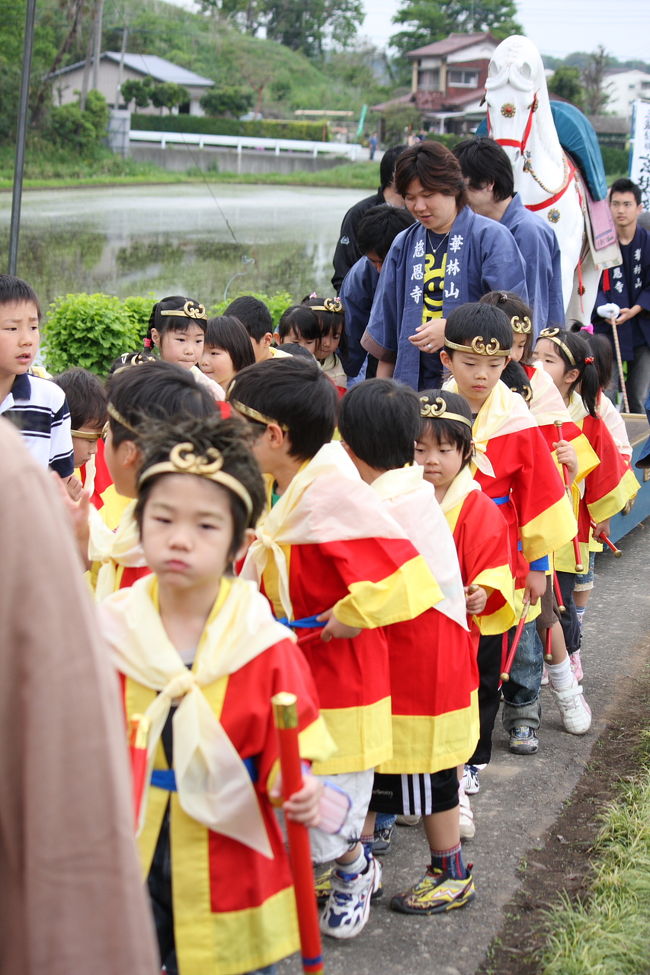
[514, 89]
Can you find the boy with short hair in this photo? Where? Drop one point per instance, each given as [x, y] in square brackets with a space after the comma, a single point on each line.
[514, 467]
[333, 563]
[256, 319]
[86, 399]
[433, 672]
[36, 406]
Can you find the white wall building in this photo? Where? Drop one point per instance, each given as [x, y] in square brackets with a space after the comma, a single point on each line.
[625, 86]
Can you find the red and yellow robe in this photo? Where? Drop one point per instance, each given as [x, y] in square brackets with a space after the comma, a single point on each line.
[328, 543]
[433, 673]
[514, 468]
[480, 534]
[606, 489]
[233, 900]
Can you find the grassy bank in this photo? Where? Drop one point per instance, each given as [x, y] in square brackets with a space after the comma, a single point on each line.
[60, 170]
[609, 931]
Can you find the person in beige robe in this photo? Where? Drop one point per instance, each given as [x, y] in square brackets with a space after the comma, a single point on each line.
[71, 895]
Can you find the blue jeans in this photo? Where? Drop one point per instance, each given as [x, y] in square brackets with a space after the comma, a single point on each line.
[385, 820]
[521, 692]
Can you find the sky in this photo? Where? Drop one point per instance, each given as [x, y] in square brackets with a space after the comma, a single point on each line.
[557, 27]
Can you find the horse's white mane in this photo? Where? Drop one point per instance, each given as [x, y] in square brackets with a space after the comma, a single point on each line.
[516, 61]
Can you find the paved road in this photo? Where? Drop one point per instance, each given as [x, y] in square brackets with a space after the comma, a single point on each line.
[520, 798]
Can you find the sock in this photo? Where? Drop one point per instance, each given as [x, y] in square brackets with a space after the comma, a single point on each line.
[354, 867]
[561, 675]
[367, 842]
[449, 862]
[580, 611]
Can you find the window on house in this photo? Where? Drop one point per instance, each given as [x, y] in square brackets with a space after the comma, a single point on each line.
[462, 79]
[429, 79]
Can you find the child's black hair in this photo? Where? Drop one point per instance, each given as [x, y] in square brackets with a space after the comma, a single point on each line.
[253, 314]
[153, 391]
[474, 320]
[294, 348]
[302, 321]
[387, 164]
[516, 309]
[86, 397]
[331, 317]
[379, 227]
[231, 438]
[444, 430]
[379, 420]
[174, 323]
[295, 394]
[601, 349]
[13, 289]
[227, 332]
[515, 378]
[583, 361]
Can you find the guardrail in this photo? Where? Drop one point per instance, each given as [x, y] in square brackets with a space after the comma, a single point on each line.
[350, 150]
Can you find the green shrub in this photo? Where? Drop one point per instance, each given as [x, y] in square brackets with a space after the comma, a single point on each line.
[207, 125]
[138, 308]
[88, 331]
[615, 160]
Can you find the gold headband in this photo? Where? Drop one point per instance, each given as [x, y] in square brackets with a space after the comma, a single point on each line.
[255, 414]
[552, 335]
[117, 416]
[329, 304]
[479, 346]
[183, 459]
[85, 435]
[438, 411]
[189, 310]
[522, 326]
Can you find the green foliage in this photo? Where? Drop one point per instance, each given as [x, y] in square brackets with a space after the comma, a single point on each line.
[593, 81]
[230, 100]
[615, 160]
[426, 21]
[566, 83]
[138, 308]
[136, 91]
[262, 128]
[77, 129]
[161, 94]
[276, 304]
[88, 331]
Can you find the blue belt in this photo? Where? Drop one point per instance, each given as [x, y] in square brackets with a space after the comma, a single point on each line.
[308, 623]
[503, 500]
[165, 778]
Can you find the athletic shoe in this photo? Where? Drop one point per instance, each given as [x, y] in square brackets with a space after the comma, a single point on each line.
[576, 665]
[323, 887]
[544, 675]
[434, 894]
[523, 740]
[466, 817]
[470, 782]
[408, 820]
[575, 712]
[382, 840]
[348, 906]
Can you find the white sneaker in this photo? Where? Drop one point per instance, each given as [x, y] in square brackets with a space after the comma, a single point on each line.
[574, 710]
[544, 675]
[576, 665]
[348, 906]
[467, 827]
[470, 780]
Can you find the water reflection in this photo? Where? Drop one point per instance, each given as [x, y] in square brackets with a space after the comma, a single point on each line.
[178, 240]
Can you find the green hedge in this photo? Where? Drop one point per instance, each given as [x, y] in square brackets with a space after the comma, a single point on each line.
[615, 160]
[206, 125]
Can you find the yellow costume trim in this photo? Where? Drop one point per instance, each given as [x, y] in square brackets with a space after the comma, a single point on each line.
[610, 505]
[367, 729]
[403, 595]
[424, 743]
[549, 531]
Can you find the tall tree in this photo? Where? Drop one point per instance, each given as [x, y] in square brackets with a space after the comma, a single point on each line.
[309, 25]
[565, 82]
[426, 21]
[593, 80]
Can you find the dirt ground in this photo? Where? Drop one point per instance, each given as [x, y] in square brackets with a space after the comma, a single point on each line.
[535, 815]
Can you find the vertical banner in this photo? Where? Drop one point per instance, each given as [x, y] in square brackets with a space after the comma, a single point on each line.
[640, 149]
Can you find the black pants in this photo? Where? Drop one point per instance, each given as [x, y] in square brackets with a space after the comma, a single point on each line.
[569, 619]
[489, 669]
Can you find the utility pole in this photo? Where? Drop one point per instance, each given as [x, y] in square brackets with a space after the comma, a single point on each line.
[99, 16]
[21, 134]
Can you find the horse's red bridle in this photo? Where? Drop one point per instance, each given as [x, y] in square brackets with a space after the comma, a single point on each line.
[521, 144]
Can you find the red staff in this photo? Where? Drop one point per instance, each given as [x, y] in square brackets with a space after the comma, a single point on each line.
[139, 727]
[567, 484]
[558, 593]
[285, 713]
[548, 645]
[505, 675]
[602, 537]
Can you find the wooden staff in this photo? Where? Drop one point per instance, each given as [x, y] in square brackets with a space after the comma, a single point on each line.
[602, 537]
[567, 484]
[558, 593]
[548, 645]
[285, 713]
[619, 362]
[505, 674]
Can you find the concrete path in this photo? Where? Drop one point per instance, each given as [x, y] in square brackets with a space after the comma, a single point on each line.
[520, 798]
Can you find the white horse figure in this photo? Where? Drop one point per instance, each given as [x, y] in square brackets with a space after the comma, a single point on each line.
[520, 120]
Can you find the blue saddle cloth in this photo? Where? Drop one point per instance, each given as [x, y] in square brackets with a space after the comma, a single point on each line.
[577, 137]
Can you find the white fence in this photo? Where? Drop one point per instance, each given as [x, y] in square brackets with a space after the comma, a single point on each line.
[350, 150]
